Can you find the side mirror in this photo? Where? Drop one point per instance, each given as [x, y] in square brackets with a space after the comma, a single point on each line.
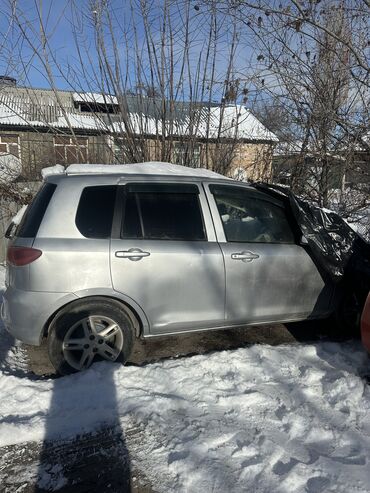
[10, 231]
[303, 241]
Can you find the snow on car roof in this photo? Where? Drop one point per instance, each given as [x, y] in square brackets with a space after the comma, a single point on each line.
[148, 168]
[58, 169]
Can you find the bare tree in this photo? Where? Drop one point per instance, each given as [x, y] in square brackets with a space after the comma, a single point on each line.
[11, 194]
[154, 73]
[309, 18]
[314, 75]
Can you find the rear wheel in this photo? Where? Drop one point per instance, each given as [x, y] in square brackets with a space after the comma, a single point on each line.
[89, 331]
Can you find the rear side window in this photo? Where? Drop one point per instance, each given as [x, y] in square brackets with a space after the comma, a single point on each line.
[95, 211]
[32, 219]
[163, 212]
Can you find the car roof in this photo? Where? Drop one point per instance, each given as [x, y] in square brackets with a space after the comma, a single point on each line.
[153, 171]
[147, 169]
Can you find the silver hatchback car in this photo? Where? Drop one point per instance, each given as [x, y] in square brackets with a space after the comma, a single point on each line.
[105, 254]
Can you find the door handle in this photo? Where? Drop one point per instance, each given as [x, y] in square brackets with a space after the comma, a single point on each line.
[133, 254]
[244, 256]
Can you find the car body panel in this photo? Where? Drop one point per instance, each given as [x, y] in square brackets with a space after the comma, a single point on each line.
[25, 313]
[126, 300]
[75, 264]
[281, 282]
[181, 285]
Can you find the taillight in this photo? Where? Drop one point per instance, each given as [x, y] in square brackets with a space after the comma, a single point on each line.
[19, 256]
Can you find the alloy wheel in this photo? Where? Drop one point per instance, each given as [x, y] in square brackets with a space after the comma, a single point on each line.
[93, 338]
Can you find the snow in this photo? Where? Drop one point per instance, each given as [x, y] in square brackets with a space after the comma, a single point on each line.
[12, 357]
[230, 122]
[18, 217]
[233, 121]
[58, 169]
[237, 122]
[291, 418]
[94, 97]
[149, 168]
[360, 222]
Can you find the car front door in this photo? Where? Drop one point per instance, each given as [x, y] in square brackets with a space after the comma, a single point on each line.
[269, 277]
[165, 257]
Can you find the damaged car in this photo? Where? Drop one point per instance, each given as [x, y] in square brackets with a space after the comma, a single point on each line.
[106, 254]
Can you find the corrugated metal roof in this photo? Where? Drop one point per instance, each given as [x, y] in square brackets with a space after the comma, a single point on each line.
[20, 106]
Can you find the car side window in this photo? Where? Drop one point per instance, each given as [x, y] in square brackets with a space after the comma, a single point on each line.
[249, 217]
[95, 211]
[32, 218]
[162, 212]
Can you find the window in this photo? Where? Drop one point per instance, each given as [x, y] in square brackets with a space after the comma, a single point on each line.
[70, 150]
[248, 217]
[163, 212]
[35, 212]
[9, 144]
[95, 211]
[187, 154]
[97, 107]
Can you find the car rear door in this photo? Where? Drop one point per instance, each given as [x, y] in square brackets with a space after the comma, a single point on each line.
[164, 255]
[269, 277]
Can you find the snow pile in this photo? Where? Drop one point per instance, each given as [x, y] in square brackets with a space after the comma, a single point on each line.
[261, 419]
[58, 169]
[149, 168]
[360, 222]
[19, 215]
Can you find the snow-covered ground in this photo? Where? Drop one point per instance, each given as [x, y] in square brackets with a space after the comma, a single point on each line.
[290, 418]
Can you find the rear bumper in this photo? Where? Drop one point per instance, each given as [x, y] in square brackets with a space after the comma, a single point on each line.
[365, 325]
[25, 313]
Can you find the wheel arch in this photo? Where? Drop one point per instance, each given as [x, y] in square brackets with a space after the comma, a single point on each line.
[132, 310]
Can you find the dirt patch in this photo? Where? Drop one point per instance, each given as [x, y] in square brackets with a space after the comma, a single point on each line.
[156, 348]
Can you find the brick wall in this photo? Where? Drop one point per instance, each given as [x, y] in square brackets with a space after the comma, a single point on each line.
[37, 150]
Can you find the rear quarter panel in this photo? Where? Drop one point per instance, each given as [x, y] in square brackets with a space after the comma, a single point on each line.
[69, 265]
[69, 262]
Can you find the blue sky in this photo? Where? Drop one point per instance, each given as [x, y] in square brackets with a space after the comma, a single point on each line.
[25, 65]
[59, 17]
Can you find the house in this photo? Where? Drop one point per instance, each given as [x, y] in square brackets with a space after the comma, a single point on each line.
[43, 127]
[348, 167]
[347, 182]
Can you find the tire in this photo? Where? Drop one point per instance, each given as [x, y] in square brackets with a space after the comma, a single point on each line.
[85, 332]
